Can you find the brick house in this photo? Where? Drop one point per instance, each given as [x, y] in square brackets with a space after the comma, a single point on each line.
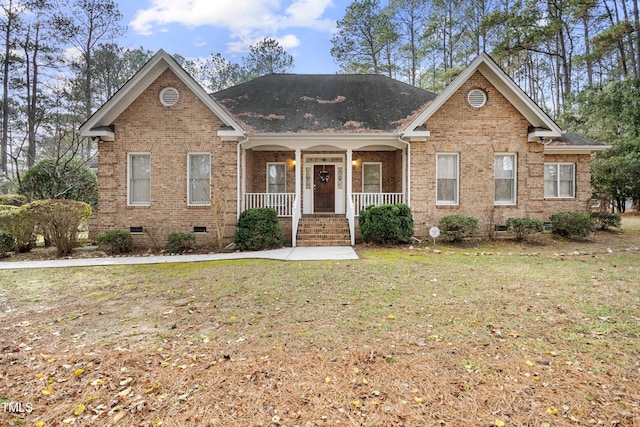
[319, 148]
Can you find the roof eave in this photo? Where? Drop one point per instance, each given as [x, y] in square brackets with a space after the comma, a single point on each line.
[574, 149]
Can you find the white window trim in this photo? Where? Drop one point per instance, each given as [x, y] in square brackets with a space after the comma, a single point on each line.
[267, 176]
[515, 180]
[456, 202]
[189, 203]
[380, 168]
[129, 187]
[573, 180]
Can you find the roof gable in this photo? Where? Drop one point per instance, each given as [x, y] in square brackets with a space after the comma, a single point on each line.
[544, 125]
[329, 103]
[100, 124]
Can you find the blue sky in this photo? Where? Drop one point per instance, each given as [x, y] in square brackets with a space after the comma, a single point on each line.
[198, 28]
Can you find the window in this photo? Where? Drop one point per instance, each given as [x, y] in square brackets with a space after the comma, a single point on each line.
[276, 178]
[504, 177]
[559, 180]
[139, 170]
[447, 179]
[199, 189]
[371, 177]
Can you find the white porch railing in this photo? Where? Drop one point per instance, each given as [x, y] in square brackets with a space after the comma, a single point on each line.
[362, 200]
[281, 202]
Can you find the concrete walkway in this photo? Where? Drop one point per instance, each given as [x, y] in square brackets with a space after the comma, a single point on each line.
[285, 254]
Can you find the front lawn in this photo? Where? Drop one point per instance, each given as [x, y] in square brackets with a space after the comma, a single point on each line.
[498, 334]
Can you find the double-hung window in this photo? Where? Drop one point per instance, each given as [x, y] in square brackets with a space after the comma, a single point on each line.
[139, 179]
[559, 180]
[504, 177]
[371, 177]
[447, 177]
[199, 187]
[276, 178]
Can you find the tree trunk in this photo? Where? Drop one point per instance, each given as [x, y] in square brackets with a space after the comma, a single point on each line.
[5, 91]
[32, 99]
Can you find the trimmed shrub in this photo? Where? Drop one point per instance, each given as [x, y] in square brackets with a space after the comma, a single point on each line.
[59, 220]
[523, 227]
[571, 224]
[7, 244]
[258, 229]
[12, 199]
[605, 220]
[115, 241]
[457, 227]
[20, 223]
[386, 224]
[180, 242]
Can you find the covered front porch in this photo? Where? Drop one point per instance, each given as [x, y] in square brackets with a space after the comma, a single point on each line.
[322, 178]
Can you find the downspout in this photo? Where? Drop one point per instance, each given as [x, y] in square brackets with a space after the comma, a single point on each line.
[238, 178]
[407, 181]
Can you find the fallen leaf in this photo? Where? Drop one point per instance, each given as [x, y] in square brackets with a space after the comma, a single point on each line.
[125, 392]
[47, 390]
[499, 423]
[79, 410]
[153, 389]
[552, 410]
[356, 404]
[391, 317]
[97, 382]
[39, 424]
[126, 382]
[418, 400]
[529, 362]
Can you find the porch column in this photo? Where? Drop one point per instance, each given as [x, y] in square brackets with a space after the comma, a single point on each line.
[350, 212]
[405, 196]
[349, 175]
[297, 204]
[298, 178]
[243, 179]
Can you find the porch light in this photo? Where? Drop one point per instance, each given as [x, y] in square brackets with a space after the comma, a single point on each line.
[354, 163]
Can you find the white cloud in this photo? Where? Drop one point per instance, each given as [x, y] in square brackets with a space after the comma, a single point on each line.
[246, 20]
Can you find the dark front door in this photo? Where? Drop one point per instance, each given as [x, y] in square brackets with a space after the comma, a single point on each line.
[324, 190]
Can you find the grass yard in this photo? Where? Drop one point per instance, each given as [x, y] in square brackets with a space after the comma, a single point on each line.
[489, 334]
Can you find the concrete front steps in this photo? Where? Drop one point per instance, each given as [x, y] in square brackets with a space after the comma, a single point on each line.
[323, 230]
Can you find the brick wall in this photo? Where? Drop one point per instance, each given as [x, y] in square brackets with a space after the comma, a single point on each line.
[476, 135]
[168, 134]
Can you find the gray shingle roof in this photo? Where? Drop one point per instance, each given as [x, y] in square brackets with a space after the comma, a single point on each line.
[569, 138]
[304, 103]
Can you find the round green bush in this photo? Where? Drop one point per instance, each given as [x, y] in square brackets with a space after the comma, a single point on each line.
[258, 229]
[386, 224]
[572, 224]
[180, 242]
[115, 241]
[7, 243]
[606, 220]
[456, 227]
[523, 227]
